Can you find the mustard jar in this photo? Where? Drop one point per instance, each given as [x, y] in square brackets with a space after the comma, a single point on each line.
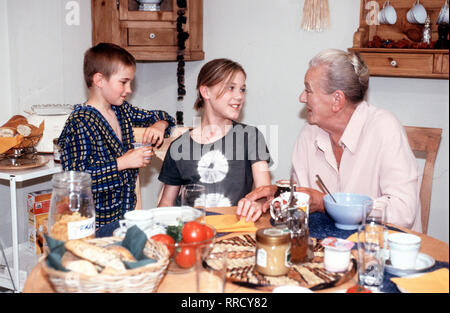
[272, 251]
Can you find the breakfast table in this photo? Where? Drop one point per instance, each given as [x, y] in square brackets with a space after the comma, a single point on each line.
[320, 226]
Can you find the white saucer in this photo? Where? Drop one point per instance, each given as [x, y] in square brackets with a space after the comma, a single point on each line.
[423, 262]
[149, 232]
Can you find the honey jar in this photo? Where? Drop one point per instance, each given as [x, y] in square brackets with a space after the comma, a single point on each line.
[273, 247]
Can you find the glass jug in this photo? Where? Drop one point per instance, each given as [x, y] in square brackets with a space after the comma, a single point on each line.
[72, 210]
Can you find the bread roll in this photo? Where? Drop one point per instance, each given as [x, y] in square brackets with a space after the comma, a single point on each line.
[15, 121]
[68, 257]
[95, 254]
[7, 132]
[82, 267]
[124, 253]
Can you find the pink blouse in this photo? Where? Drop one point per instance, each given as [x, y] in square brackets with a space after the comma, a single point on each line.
[377, 161]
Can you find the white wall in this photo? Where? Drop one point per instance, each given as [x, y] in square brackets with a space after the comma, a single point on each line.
[264, 36]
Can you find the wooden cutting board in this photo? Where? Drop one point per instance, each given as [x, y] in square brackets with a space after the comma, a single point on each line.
[312, 275]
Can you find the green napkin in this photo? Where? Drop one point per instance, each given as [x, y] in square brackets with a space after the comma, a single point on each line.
[57, 250]
[134, 241]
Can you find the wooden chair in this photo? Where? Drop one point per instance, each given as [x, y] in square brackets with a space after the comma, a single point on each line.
[427, 141]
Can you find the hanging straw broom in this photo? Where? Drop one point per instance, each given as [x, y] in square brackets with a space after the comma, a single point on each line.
[316, 15]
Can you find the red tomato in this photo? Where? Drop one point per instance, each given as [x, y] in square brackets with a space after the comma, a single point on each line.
[167, 240]
[358, 289]
[209, 232]
[186, 257]
[193, 232]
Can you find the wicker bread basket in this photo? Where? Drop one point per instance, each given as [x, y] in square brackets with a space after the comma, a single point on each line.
[142, 279]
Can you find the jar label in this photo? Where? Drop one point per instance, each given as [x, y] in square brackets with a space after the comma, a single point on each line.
[261, 258]
[81, 229]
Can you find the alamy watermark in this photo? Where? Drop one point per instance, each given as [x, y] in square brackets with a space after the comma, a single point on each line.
[241, 139]
[73, 13]
[372, 16]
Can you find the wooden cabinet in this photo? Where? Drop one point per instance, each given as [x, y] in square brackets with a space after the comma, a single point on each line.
[424, 63]
[149, 36]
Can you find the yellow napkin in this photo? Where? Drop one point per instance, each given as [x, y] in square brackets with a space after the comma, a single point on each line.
[7, 143]
[433, 282]
[354, 237]
[230, 223]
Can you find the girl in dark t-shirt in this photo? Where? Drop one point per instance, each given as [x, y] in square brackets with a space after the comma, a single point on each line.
[227, 157]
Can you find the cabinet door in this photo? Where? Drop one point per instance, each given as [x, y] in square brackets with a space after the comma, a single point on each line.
[397, 64]
[129, 11]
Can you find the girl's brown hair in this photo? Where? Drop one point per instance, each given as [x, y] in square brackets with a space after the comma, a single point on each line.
[105, 58]
[213, 73]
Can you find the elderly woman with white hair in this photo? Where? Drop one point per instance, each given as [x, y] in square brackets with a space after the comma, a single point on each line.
[352, 145]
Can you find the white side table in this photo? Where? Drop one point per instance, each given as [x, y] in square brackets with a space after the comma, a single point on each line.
[15, 176]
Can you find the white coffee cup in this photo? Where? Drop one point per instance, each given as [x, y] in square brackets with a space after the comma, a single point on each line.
[141, 218]
[281, 203]
[403, 249]
[417, 14]
[387, 14]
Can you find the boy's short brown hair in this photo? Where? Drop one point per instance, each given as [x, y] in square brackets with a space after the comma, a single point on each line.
[105, 58]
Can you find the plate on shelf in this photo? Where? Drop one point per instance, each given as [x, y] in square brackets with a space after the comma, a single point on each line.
[52, 109]
[423, 263]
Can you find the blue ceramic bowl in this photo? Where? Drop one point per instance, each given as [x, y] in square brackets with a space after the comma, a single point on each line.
[348, 209]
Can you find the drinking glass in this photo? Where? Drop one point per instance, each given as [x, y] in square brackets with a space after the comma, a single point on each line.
[371, 255]
[374, 212]
[193, 195]
[211, 269]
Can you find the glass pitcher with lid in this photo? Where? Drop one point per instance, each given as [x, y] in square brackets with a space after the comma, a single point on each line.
[72, 210]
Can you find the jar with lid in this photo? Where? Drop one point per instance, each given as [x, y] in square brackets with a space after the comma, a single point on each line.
[299, 234]
[272, 251]
[72, 210]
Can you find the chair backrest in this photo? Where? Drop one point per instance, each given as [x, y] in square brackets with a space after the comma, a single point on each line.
[425, 140]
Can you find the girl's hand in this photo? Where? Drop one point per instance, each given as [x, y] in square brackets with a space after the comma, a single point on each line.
[250, 209]
[155, 133]
[267, 192]
[135, 158]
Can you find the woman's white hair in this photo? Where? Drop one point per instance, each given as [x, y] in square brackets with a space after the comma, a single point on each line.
[345, 71]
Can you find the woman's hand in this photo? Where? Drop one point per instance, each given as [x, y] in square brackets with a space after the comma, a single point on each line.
[135, 158]
[155, 133]
[315, 200]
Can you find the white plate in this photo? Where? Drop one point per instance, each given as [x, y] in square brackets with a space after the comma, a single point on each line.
[423, 262]
[52, 109]
[154, 230]
[166, 216]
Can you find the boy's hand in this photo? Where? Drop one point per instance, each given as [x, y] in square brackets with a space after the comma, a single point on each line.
[155, 133]
[135, 158]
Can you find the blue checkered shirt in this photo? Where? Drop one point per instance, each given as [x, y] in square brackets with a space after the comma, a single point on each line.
[89, 144]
